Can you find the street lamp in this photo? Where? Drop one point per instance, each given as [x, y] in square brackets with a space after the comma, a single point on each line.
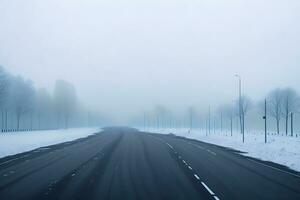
[240, 105]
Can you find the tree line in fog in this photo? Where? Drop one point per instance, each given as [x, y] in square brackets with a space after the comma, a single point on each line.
[24, 107]
[282, 106]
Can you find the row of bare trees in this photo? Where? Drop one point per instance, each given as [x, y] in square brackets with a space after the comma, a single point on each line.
[161, 117]
[282, 104]
[25, 107]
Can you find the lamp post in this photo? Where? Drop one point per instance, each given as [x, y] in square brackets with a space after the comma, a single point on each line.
[209, 120]
[240, 106]
[265, 118]
[144, 122]
[292, 124]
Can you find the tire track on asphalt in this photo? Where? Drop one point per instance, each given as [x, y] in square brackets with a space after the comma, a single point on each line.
[13, 160]
[154, 173]
[57, 190]
[11, 183]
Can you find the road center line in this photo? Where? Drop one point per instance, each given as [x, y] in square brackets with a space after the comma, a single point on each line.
[195, 175]
[170, 145]
[207, 188]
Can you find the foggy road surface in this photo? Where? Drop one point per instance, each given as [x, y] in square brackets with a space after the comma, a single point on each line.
[123, 163]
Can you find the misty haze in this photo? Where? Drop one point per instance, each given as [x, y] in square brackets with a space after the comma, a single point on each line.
[149, 99]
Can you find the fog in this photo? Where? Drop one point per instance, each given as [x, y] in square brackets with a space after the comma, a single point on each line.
[127, 57]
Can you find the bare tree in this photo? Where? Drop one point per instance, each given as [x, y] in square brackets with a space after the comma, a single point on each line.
[21, 102]
[275, 100]
[229, 111]
[44, 104]
[170, 119]
[65, 100]
[4, 87]
[191, 116]
[32, 106]
[160, 114]
[21, 97]
[290, 104]
[246, 104]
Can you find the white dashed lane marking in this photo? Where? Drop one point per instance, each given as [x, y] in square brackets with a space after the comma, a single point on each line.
[189, 167]
[216, 198]
[196, 176]
[170, 145]
[207, 188]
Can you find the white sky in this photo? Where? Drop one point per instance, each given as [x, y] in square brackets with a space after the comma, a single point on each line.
[124, 56]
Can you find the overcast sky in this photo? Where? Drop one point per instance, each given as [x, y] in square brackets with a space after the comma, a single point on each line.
[125, 56]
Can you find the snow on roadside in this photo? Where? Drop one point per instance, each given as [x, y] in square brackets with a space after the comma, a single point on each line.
[18, 142]
[279, 149]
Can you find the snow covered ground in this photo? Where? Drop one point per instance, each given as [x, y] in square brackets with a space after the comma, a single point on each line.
[279, 149]
[18, 142]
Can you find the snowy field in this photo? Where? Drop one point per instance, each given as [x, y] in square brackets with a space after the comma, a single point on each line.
[18, 142]
[279, 149]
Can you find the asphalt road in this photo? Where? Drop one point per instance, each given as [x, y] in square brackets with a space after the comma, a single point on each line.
[123, 163]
